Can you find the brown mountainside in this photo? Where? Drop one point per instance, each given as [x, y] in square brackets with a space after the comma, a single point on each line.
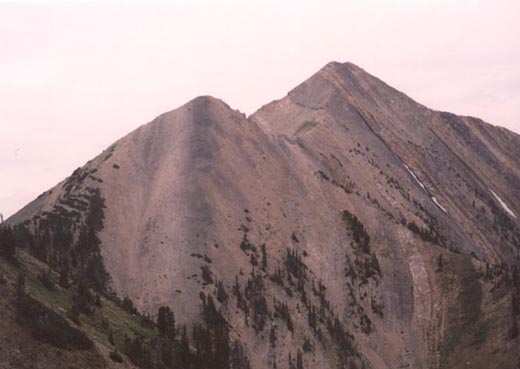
[354, 207]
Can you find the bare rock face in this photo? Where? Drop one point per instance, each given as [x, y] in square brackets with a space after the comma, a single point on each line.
[345, 224]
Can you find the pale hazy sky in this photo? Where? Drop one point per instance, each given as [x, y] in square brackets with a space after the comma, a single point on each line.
[76, 76]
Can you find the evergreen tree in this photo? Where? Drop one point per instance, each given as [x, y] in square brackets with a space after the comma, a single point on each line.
[222, 295]
[238, 358]
[20, 286]
[213, 318]
[222, 350]
[272, 337]
[64, 275]
[166, 322]
[128, 305]
[299, 360]
[264, 257]
[440, 263]
[7, 243]
[183, 352]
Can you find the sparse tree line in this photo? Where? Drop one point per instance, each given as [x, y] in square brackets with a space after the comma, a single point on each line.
[295, 280]
[363, 273]
[67, 240]
[209, 345]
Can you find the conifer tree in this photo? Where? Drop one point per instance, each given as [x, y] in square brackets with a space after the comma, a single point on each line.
[7, 243]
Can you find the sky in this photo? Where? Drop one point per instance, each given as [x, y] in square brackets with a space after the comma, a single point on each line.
[76, 76]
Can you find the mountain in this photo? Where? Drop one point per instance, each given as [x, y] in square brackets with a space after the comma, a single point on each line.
[342, 226]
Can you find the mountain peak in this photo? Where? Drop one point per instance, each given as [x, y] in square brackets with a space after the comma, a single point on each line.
[338, 86]
[206, 99]
[203, 111]
[341, 66]
[346, 71]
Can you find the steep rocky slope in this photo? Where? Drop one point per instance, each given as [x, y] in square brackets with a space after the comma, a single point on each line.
[344, 225]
